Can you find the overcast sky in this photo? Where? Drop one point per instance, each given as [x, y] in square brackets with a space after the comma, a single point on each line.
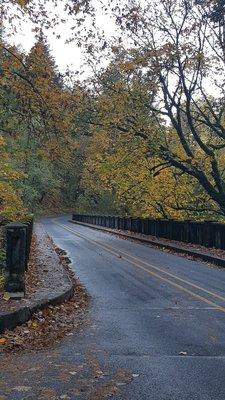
[65, 54]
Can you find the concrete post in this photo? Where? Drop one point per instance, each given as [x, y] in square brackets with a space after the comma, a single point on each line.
[15, 260]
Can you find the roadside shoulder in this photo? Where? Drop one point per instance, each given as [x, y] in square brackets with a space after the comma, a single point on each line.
[47, 283]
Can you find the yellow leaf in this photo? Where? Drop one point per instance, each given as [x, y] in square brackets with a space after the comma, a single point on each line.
[6, 296]
[2, 341]
[22, 2]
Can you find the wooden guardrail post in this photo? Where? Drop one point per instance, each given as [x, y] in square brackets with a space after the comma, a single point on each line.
[16, 247]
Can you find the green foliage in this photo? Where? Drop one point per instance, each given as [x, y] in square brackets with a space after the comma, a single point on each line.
[104, 146]
[37, 126]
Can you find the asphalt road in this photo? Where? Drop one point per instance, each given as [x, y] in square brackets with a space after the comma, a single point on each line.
[157, 315]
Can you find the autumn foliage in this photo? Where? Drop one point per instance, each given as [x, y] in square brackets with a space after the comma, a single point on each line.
[141, 136]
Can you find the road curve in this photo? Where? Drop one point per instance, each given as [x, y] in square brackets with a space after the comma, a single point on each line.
[155, 314]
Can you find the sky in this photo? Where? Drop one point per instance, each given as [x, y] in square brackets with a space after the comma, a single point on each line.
[65, 54]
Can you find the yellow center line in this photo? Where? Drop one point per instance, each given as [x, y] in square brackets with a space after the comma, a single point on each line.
[156, 268]
[137, 262]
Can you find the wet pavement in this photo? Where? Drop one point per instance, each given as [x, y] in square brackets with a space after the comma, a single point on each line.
[155, 327]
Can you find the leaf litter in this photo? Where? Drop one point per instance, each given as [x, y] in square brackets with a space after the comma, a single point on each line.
[50, 325]
[47, 327]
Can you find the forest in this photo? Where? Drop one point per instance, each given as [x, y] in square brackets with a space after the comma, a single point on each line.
[142, 135]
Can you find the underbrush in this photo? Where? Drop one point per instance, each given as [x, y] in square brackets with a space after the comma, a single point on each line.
[2, 267]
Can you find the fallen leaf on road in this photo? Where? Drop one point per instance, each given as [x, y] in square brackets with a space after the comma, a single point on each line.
[47, 394]
[22, 388]
[2, 341]
[6, 297]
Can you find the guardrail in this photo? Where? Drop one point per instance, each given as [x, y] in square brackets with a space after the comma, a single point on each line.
[208, 234]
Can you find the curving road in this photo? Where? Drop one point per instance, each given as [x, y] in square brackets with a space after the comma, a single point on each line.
[157, 315]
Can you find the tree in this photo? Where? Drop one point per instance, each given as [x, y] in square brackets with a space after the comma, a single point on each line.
[10, 202]
[36, 121]
[151, 105]
[186, 53]
[124, 172]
